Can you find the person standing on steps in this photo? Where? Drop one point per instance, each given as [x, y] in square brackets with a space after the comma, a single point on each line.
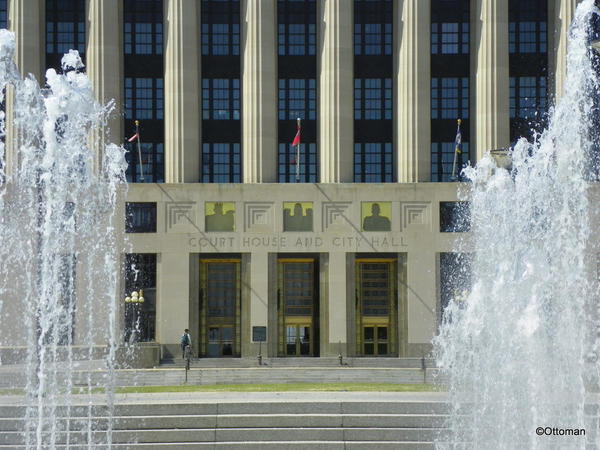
[186, 340]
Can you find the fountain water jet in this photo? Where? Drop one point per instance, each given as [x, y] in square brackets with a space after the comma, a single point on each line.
[59, 248]
[514, 352]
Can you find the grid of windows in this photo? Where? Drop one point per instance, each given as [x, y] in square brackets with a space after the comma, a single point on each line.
[297, 99]
[373, 162]
[153, 162]
[287, 163]
[221, 163]
[442, 160]
[450, 98]
[3, 13]
[221, 99]
[143, 27]
[297, 27]
[373, 27]
[528, 97]
[372, 98]
[528, 28]
[450, 38]
[144, 98]
[65, 28]
[220, 27]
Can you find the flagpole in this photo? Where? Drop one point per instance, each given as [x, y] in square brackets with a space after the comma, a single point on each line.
[298, 156]
[455, 154]
[139, 148]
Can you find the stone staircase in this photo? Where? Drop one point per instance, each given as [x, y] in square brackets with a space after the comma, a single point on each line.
[251, 425]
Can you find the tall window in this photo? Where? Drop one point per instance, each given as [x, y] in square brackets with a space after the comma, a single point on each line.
[297, 89]
[220, 81]
[65, 29]
[3, 13]
[373, 162]
[297, 99]
[220, 27]
[220, 98]
[373, 27]
[140, 276]
[289, 164]
[450, 98]
[373, 94]
[450, 72]
[221, 163]
[528, 63]
[442, 160]
[144, 88]
[373, 98]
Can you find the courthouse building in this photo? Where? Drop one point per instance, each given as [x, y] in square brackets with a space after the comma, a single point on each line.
[344, 245]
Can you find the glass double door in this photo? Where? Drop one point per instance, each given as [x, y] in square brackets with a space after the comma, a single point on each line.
[376, 307]
[297, 307]
[220, 308]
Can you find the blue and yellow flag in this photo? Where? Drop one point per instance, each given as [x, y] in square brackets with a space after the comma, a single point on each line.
[458, 139]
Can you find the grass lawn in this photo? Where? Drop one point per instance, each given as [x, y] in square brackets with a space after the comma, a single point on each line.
[280, 387]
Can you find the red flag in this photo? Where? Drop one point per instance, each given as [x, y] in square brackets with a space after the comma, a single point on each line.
[297, 138]
[134, 138]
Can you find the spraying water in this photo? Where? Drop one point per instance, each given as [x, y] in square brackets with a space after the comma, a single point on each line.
[514, 351]
[58, 245]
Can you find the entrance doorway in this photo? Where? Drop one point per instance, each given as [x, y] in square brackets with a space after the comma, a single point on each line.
[220, 308]
[376, 307]
[298, 307]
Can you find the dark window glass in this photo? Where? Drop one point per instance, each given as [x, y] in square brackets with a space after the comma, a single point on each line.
[287, 162]
[3, 13]
[450, 98]
[297, 27]
[375, 290]
[455, 279]
[221, 163]
[455, 217]
[528, 97]
[373, 27]
[449, 38]
[143, 27]
[65, 29]
[144, 98]
[140, 217]
[222, 291]
[153, 162]
[373, 98]
[220, 27]
[373, 162]
[140, 276]
[442, 160]
[297, 99]
[298, 288]
[220, 99]
[528, 28]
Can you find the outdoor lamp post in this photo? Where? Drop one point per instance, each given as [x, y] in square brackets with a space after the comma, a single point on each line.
[136, 300]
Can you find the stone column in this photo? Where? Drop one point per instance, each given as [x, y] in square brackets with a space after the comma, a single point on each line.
[336, 91]
[412, 71]
[421, 304]
[173, 300]
[26, 20]
[564, 11]
[259, 91]
[104, 60]
[259, 297]
[491, 115]
[182, 97]
[337, 326]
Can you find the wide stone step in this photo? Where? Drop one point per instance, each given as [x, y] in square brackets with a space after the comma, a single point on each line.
[259, 445]
[238, 435]
[245, 421]
[266, 407]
